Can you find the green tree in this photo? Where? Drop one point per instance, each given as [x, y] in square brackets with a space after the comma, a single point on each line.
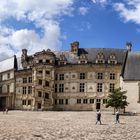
[117, 99]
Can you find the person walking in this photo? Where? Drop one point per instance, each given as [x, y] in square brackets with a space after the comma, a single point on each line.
[98, 117]
[117, 115]
[6, 110]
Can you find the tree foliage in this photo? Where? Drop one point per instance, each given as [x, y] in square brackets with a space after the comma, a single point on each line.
[117, 99]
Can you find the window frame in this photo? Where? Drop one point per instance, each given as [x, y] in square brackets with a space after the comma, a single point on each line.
[99, 87]
[82, 87]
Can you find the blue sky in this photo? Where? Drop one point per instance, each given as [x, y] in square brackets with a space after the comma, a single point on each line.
[42, 24]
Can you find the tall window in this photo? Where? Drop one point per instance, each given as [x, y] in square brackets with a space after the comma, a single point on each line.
[104, 101]
[8, 75]
[91, 101]
[112, 87]
[78, 101]
[29, 102]
[30, 80]
[82, 75]
[85, 101]
[24, 90]
[61, 76]
[55, 101]
[99, 87]
[112, 76]
[61, 87]
[56, 88]
[40, 82]
[23, 102]
[47, 84]
[29, 89]
[66, 101]
[61, 101]
[82, 87]
[24, 80]
[47, 95]
[100, 76]
[39, 94]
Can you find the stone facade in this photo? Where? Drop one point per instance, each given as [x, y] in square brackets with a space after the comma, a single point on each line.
[80, 79]
[133, 95]
[130, 81]
[7, 83]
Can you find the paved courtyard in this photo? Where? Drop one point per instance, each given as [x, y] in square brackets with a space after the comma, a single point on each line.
[18, 125]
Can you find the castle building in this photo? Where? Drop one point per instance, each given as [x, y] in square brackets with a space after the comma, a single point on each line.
[79, 79]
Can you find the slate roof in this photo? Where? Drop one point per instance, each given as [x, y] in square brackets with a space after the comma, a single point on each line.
[92, 54]
[131, 67]
[69, 56]
[8, 64]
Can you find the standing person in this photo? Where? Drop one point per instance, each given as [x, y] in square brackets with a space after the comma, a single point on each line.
[117, 117]
[6, 110]
[98, 117]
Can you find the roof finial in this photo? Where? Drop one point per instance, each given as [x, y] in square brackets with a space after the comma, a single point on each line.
[129, 46]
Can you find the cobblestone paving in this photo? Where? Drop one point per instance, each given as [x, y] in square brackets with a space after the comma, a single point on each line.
[18, 125]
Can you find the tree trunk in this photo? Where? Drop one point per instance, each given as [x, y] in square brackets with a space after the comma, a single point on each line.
[124, 110]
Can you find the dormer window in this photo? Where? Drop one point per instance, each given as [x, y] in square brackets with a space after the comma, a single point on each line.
[82, 62]
[82, 56]
[112, 59]
[82, 59]
[100, 58]
[62, 60]
[62, 63]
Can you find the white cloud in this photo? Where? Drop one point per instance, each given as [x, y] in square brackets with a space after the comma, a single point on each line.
[129, 11]
[102, 2]
[83, 10]
[44, 14]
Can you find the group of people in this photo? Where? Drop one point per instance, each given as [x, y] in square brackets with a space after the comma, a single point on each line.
[117, 115]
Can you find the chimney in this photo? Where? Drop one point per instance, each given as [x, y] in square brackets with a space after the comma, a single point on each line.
[75, 47]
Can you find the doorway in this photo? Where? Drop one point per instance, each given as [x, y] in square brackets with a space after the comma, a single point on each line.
[39, 106]
[98, 106]
[2, 103]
